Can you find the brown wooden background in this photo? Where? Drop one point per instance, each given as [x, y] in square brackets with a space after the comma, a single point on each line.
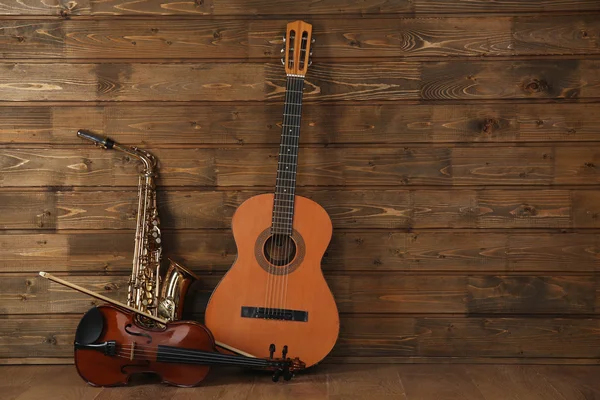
[455, 144]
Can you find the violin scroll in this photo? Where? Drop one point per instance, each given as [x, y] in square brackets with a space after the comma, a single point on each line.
[284, 366]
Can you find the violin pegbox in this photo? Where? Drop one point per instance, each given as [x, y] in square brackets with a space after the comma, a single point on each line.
[297, 50]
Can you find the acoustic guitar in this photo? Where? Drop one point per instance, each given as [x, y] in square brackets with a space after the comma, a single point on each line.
[274, 296]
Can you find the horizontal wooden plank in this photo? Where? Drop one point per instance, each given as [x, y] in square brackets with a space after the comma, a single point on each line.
[288, 7]
[458, 166]
[358, 209]
[139, 124]
[467, 337]
[354, 293]
[204, 252]
[487, 80]
[216, 82]
[262, 39]
[398, 336]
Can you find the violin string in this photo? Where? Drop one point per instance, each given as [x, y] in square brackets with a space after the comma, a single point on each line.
[174, 357]
[198, 358]
[199, 361]
[206, 356]
[150, 349]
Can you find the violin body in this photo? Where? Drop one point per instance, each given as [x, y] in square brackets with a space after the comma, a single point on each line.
[249, 283]
[137, 348]
[111, 345]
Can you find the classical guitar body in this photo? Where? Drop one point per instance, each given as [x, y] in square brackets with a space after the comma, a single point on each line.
[259, 303]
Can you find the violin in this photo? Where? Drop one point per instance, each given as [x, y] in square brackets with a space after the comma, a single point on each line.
[112, 344]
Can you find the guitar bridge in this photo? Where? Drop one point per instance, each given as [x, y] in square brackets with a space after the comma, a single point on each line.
[275, 313]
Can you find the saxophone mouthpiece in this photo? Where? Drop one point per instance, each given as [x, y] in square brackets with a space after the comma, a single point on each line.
[98, 140]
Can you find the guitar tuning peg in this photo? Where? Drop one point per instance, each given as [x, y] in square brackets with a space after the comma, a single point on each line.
[309, 63]
[310, 54]
[282, 50]
[282, 61]
[284, 39]
[312, 40]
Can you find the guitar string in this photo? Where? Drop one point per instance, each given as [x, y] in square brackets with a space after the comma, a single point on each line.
[288, 140]
[293, 165]
[267, 306]
[296, 101]
[283, 166]
[276, 222]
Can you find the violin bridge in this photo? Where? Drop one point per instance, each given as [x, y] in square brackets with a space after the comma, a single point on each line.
[131, 353]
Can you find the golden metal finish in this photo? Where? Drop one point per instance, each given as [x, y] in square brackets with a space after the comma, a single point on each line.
[148, 292]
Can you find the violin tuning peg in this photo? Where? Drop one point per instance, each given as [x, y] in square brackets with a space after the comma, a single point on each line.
[276, 375]
[287, 375]
[284, 352]
[271, 350]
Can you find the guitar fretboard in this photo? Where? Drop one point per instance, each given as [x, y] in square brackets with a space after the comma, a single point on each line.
[283, 208]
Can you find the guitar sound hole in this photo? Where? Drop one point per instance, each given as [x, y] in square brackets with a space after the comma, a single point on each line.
[280, 250]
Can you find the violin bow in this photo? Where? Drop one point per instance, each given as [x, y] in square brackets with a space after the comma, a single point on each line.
[125, 306]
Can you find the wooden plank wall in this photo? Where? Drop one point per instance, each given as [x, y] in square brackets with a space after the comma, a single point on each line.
[455, 144]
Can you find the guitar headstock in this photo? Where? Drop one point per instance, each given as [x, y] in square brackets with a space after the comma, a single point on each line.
[297, 49]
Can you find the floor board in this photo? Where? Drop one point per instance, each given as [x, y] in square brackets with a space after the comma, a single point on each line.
[331, 382]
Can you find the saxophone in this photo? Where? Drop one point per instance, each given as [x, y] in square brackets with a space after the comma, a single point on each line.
[146, 291]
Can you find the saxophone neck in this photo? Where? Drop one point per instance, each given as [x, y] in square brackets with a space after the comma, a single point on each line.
[146, 158]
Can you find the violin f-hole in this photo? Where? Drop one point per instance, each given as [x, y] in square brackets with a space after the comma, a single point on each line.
[127, 329]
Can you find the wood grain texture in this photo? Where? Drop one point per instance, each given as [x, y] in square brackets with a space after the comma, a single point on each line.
[458, 166]
[389, 293]
[458, 80]
[365, 336]
[156, 126]
[357, 209]
[523, 80]
[336, 38]
[454, 144]
[468, 252]
[255, 8]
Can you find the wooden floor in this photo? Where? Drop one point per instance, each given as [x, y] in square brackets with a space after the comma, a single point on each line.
[403, 382]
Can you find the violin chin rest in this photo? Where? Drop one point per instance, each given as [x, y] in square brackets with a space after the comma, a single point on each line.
[90, 327]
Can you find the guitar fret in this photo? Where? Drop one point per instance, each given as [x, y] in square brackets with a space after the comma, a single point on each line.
[285, 212]
[284, 202]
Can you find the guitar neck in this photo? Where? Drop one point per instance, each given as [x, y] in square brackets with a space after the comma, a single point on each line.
[283, 207]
